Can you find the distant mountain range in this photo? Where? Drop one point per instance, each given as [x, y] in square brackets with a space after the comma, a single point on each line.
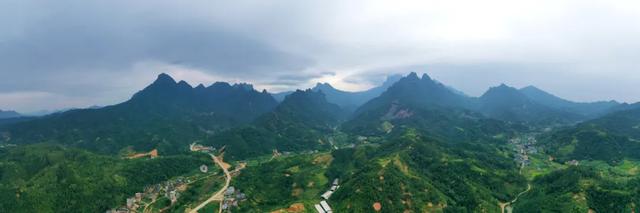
[9, 114]
[510, 104]
[585, 109]
[166, 112]
[348, 101]
[165, 115]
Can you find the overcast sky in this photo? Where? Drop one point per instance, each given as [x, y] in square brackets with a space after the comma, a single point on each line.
[63, 53]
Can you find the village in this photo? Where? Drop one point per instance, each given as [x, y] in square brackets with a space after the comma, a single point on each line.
[170, 191]
[523, 146]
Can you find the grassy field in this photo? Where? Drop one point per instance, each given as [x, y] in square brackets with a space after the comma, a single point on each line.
[540, 165]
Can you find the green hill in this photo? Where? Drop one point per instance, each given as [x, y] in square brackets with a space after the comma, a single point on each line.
[610, 138]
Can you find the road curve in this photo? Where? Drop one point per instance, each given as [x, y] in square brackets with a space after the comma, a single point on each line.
[218, 196]
[503, 205]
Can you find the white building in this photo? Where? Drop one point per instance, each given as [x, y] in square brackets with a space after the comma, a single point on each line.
[327, 195]
[319, 208]
[326, 206]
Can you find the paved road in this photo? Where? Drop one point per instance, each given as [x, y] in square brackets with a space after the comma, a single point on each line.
[218, 196]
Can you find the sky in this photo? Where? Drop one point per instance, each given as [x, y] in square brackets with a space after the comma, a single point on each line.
[73, 53]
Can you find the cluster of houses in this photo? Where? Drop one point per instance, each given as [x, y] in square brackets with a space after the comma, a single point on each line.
[231, 198]
[170, 189]
[524, 146]
[323, 206]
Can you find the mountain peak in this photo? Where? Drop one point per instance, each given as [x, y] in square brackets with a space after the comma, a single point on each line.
[164, 78]
[320, 86]
[425, 77]
[412, 75]
[184, 84]
[502, 87]
[531, 87]
[220, 84]
[245, 86]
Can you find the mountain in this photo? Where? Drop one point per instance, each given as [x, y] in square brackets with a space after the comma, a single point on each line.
[300, 122]
[420, 92]
[348, 101]
[166, 115]
[310, 108]
[238, 103]
[509, 104]
[9, 114]
[592, 109]
[424, 104]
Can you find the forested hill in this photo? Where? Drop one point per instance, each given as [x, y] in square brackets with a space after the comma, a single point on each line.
[611, 138]
[52, 178]
[166, 114]
[414, 173]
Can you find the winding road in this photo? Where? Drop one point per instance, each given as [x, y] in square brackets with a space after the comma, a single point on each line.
[503, 205]
[218, 196]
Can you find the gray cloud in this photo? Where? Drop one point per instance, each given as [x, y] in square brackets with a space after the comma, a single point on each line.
[80, 53]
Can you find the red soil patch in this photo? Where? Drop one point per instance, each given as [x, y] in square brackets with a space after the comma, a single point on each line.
[377, 206]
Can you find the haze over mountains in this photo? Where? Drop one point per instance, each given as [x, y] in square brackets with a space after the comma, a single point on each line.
[194, 112]
[9, 114]
[430, 146]
[349, 101]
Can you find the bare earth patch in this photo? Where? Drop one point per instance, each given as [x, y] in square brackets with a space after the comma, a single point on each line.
[294, 208]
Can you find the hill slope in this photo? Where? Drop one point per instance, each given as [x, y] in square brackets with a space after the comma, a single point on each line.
[508, 104]
[415, 173]
[610, 138]
[592, 109]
